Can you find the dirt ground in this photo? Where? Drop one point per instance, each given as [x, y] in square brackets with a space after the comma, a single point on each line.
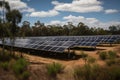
[41, 60]
[38, 63]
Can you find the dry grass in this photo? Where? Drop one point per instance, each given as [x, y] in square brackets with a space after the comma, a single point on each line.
[38, 63]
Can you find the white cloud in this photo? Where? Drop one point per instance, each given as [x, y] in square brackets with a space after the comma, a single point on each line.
[18, 4]
[49, 13]
[56, 22]
[28, 10]
[81, 6]
[76, 19]
[91, 22]
[111, 11]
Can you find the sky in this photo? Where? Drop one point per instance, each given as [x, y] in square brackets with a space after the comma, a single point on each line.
[94, 13]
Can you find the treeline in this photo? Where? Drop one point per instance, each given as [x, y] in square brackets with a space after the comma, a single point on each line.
[39, 29]
[11, 18]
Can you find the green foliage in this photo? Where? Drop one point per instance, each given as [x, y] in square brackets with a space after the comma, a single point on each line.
[83, 55]
[113, 73]
[86, 72]
[4, 65]
[7, 56]
[103, 55]
[78, 73]
[25, 75]
[54, 68]
[20, 66]
[5, 4]
[59, 30]
[4, 57]
[95, 72]
[112, 54]
[91, 60]
[110, 62]
[20, 69]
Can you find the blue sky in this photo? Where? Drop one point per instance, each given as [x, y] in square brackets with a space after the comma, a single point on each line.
[94, 13]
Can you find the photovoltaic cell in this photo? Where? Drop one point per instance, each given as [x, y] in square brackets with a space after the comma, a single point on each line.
[60, 43]
[60, 49]
[53, 48]
[47, 48]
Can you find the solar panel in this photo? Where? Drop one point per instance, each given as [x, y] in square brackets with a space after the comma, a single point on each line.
[60, 43]
[47, 48]
[94, 44]
[53, 48]
[60, 49]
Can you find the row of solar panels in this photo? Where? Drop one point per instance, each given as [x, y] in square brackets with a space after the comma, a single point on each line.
[60, 43]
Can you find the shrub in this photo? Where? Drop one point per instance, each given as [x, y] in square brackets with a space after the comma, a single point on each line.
[4, 57]
[25, 75]
[78, 73]
[4, 65]
[20, 66]
[54, 68]
[83, 55]
[91, 60]
[112, 54]
[103, 55]
[11, 63]
[114, 73]
[95, 72]
[110, 62]
[82, 73]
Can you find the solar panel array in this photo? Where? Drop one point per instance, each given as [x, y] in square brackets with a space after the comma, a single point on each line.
[60, 43]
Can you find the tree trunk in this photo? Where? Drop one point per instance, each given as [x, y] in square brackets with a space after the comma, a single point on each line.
[3, 46]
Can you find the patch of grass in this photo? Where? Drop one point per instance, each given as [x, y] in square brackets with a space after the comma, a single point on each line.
[112, 54]
[91, 60]
[95, 72]
[4, 65]
[110, 62]
[103, 55]
[25, 75]
[113, 72]
[83, 73]
[83, 55]
[4, 57]
[20, 69]
[54, 68]
[20, 66]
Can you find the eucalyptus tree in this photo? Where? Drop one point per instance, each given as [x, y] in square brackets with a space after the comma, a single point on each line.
[5, 6]
[3, 26]
[14, 17]
[25, 30]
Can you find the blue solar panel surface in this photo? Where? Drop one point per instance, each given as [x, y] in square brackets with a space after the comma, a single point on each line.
[60, 43]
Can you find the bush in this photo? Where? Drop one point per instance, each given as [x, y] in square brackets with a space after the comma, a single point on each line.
[82, 73]
[95, 72]
[20, 66]
[4, 57]
[114, 72]
[110, 62]
[112, 54]
[83, 55]
[91, 60]
[78, 73]
[25, 75]
[103, 55]
[54, 68]
[4, 65]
